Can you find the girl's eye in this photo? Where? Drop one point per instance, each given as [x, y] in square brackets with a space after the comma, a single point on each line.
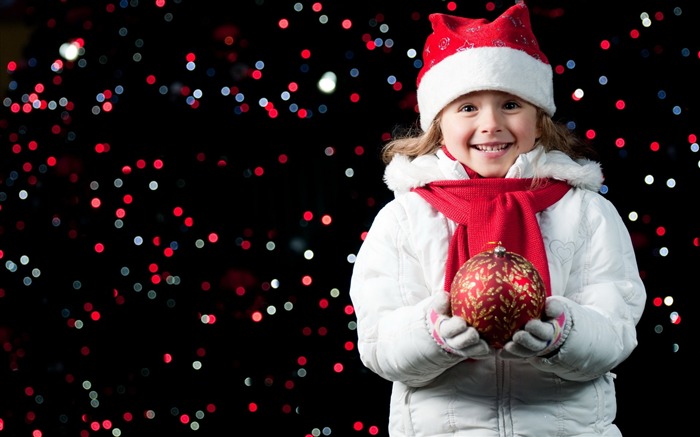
[468, 108]
[511, 105]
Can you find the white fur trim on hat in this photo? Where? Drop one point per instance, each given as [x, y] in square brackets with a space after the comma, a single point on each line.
[485, 68]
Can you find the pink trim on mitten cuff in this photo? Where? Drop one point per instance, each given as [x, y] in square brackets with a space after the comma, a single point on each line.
[560, 321]
[434, 321]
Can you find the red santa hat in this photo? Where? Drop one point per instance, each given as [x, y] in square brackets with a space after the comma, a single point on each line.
[465, 54]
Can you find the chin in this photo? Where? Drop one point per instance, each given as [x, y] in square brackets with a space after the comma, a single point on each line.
[492, 174]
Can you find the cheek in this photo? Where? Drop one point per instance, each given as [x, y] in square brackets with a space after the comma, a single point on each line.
[454, 151]
[528, 137]
[455, 136]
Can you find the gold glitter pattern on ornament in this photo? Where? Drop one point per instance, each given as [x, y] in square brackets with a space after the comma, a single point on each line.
[497, 292]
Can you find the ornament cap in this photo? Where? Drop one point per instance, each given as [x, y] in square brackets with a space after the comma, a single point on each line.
[499, 251]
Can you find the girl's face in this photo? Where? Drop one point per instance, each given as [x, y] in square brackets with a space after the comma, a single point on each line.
[487, 130]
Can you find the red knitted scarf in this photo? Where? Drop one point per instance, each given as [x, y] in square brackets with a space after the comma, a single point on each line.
[494, 210]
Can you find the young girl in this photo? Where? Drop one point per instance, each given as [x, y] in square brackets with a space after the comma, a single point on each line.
[490, 164]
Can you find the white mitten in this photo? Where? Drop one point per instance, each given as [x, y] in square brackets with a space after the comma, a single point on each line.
[452, 332]
[540, 337]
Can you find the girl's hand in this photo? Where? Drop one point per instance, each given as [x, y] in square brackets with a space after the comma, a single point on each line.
[540, 338]
[452, 333]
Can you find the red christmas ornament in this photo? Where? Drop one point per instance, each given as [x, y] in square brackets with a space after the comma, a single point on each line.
[497, 292]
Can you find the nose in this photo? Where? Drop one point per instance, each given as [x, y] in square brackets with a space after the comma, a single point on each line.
[490, 120]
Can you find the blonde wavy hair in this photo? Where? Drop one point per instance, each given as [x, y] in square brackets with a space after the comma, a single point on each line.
[413, 142]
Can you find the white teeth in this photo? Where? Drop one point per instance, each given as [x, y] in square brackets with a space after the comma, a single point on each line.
[491, 148]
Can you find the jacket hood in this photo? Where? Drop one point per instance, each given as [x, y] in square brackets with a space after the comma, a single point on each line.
[402, 174]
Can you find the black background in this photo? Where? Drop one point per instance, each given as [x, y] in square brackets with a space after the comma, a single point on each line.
[248, 177]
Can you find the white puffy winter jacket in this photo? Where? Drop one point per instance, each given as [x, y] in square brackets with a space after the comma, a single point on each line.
[592, 265]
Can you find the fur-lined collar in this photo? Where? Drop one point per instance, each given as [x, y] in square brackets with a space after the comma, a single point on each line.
[402, 174]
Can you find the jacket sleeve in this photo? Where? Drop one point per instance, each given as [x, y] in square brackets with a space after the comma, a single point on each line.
[605, 303]
[391, 294]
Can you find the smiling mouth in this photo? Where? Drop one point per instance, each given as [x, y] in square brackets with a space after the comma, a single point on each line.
[491, 147]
